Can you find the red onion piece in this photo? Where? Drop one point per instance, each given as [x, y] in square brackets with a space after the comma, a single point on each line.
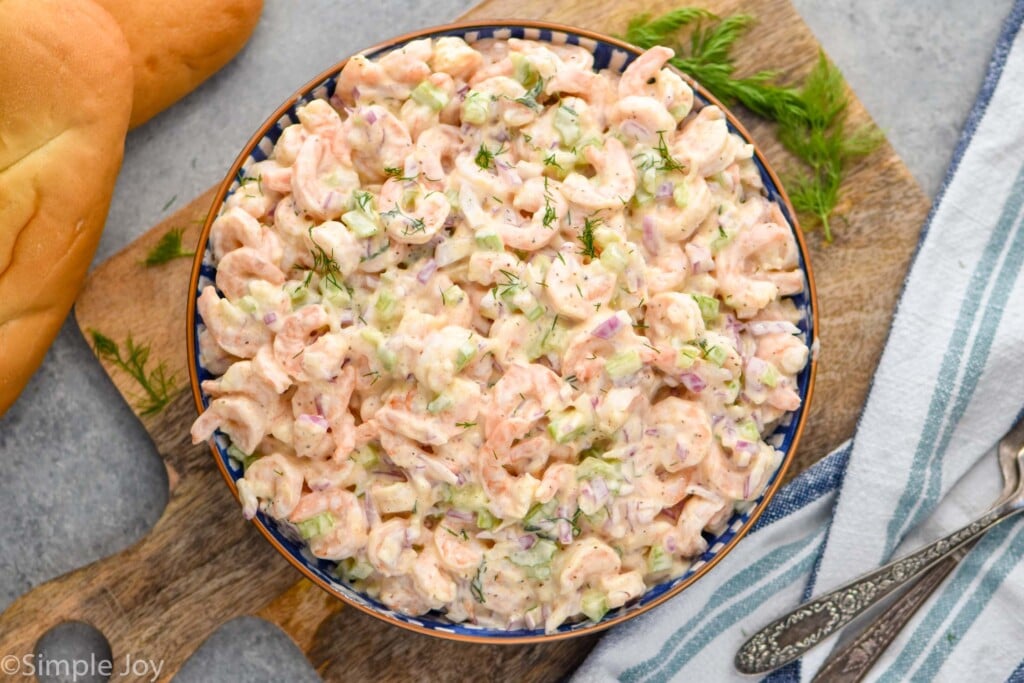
[371, 117]
[564, 532]
[460, 515]
[700, 258]
[526, 541]
[608, 328]
[600, 490]
[682, 453]
[269, 318]
[756, 367]
[327, 200]
[670, 543]
[319, 403]
[693, 382]
[664, 190]
[318, 420]
[650, 237]
[634, 129]
[426, 272]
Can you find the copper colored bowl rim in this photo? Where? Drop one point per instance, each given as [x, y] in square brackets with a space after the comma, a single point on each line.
[259, 135]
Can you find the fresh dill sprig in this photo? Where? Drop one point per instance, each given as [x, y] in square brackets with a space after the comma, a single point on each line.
[157, 385]
[167, 249]
[587, 237]
[485, 157]
[811, 119]
[476, 586]
[530, 98]
[412, 225]
[396, 173]
[324, 265]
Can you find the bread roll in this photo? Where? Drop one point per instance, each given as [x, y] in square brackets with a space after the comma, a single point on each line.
[178, 44]
[66, 84]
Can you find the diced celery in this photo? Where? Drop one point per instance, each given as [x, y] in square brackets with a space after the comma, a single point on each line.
[614, 258]
[355, 570]
[469, 498]
[333, 294]
[681, 195]
[360, 224]
[476, 108]
[719, 242]
[658, 560]
[688, 354]
[316, 525]
[366, 456]
[236, 453]
[594, 605]
[770, 377]
[439, 404]
[299, 296]
[452, 251]
[624, 364]
[539, 554]
[567, 123]
[489, 239]
[535, 312]
[748, 430]
[523, 70]
[386, 305]
[372, 335]
[429, 95]
[598, 518]
[485, 520]
[388, 359]
[649, 180]
[593, 467]
[603, 236]
[248, 304]
[717, 355]
[568, 425]
[538, 512]
[464, 355]
[708, 307]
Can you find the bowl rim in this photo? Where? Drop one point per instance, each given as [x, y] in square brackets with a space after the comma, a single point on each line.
[305, 90]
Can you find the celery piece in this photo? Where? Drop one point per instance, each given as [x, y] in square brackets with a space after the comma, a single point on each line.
[536, 312]
[770, 377]
[687, 356]
[386, 305]
[490, 240]
[708, 307]
[439, 404]
[539, 554]
[388, 359]
[360, 224]
[567, 124]
[594, 605]
[624, 364]
[523, 71]
[366, 456]
[748, 430]
[681, 195]
[717, 355]
[476, 108]
[317, 525]
[429, 95]
[658, 560]
[593, 467]
[355, 570]
[469, 498]
[485, 520]
[372, 335]
[464, 355]
[614, 258]
[567, 426]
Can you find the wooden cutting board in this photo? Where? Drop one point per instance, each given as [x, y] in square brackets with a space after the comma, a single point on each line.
[202, 565]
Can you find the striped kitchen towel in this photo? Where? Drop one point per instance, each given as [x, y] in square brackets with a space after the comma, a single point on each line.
[949, 384]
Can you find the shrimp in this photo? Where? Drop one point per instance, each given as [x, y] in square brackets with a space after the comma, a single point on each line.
[405, 412]
[388, 547]
[705, 144]
[759, 265]
[678, 434]
[678, 219]
[522, 397]
[346, 535]
[231, 328]
[416, 220]
[576, 289]
[391, 77]
[612, 185]
[431, 579]
[244, 265]
[298, 331]
[274, 479]
[399, 593]
[589, 348]
[786, 351]
[559, 478]
[697, 513]
[586, 559]
[435, 154]
[458, 552]
[508, 495]
[454, 57]
[646, 76]
[378, 140]
[211, 355]
[545, 205]
[321, 184]
[235, 228]
[330, 473]
[414, 460]
[722, 474]
[240, 417]
[339, 244]
[641, 118]
[668, 270]
[671, 316]
[621, 588]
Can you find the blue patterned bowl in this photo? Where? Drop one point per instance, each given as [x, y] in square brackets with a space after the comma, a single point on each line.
[608, 53]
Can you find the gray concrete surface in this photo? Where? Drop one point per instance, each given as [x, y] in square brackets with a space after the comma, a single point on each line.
[80, 478]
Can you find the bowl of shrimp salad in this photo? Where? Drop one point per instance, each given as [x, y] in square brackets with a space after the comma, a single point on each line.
[501, 331]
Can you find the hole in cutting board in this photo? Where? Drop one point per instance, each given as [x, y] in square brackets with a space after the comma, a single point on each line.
[73, 651]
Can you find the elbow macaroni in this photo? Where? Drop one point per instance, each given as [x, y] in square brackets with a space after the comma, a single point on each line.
[499, 334]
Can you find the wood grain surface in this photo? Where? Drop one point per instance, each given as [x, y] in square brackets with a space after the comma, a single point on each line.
[202, 565]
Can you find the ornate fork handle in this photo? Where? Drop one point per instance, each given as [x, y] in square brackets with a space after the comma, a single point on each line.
[793, 634]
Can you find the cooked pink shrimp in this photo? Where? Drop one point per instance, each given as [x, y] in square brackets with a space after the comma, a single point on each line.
[234, 331]
[612, 185]
[678, 434]
[298, 331]
[757, 266]
[576, 289]
[705, 144]
[558, 479]
[698, 512]
[405, 453]
[722, 475]
[621, 588]
[453, 56]
[379, 140]
[645, 76]
[235, 228]
[545, 205]
[399, 593]
[786, 351]
[405, 412]
[586, 559]
[240, 267]
[211, 355]
[435, 154]
[590, 347]
[346, 535]
[240, 417]
[456, 550]
[521, 398]
[671, 316]
[641, 119]
[432, 579]
[388, 547]
[509, 495]
[321, 184]
[330, 473]
[416, 221]
[275, 479]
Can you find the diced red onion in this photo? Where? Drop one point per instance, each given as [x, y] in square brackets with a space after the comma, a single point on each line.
[506, 173]
[745, 446]
[748, 487]
[651, 432]
[635, 129]
[756, 367]
[460, 515]
[682, 452]
[564, 532]
[526, 541]
[327, 200]
[664, 190]
[269, 318]
[462, 91]
[600, 491]
[608, 328]
[390, 474]
[355, 92]
[318, 420]
[670, 543]
[319, 403]
[700, 258]
[371, 117]
[650, 238]
[371, 510]
[693, 382]
[426, 272]
[762, 327]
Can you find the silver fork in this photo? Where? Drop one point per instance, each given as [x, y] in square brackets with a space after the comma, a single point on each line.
[790, 636]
